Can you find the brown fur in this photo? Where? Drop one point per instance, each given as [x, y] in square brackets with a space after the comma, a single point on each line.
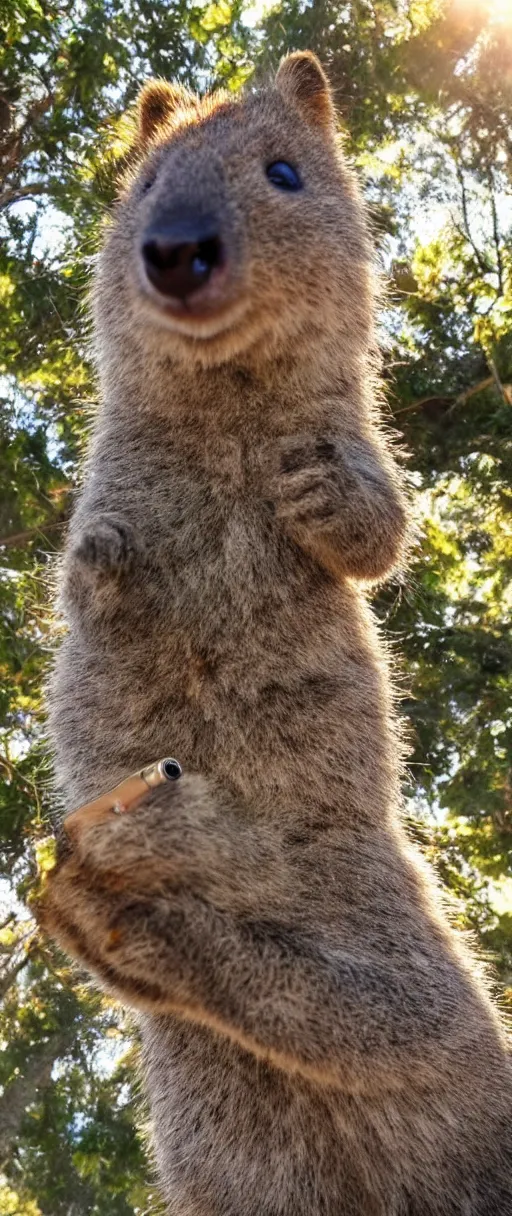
[316, 1038]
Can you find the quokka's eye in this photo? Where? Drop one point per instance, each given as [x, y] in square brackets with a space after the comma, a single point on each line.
[283, 175]
[148, 183]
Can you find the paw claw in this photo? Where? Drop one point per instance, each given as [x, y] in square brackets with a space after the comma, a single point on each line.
[306, 490]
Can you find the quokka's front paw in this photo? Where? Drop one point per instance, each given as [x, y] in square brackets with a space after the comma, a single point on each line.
[118, 858]
[107, 546]
[131, 860]
[95, 925]
[163, 839]
[306, 487]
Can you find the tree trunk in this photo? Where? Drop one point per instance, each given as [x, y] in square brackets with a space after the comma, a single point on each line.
[25, 1088]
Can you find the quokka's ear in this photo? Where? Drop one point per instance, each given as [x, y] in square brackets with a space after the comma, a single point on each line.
[157, 103]
[302, 82]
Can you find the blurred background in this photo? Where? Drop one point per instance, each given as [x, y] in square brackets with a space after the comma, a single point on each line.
[424, 89]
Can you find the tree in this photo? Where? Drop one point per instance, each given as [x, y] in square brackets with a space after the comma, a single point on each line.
[425, 89]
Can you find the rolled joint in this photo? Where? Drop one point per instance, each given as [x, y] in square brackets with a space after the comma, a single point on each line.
[124, 798]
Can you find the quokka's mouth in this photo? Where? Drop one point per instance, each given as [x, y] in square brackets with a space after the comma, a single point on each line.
[197, 323]
[212, 307]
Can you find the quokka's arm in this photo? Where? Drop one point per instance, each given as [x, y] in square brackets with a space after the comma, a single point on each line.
[184, 936]
[101, 554]
[108, 574]
[348, 1023]
[342, 499]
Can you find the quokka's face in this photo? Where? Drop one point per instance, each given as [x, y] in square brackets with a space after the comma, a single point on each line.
[241, 225]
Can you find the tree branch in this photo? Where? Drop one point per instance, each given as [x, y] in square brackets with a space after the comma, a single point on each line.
[467, 230]
[20, 538]
[504, 390]
[496, 233]
[10, 974]
[11, 148]
[460, 400]
[17, 193]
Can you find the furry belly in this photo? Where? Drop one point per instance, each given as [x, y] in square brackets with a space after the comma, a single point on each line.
[234, 1137]
[320, 729]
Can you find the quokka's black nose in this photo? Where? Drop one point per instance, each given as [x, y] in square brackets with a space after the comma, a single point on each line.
[178, 266]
